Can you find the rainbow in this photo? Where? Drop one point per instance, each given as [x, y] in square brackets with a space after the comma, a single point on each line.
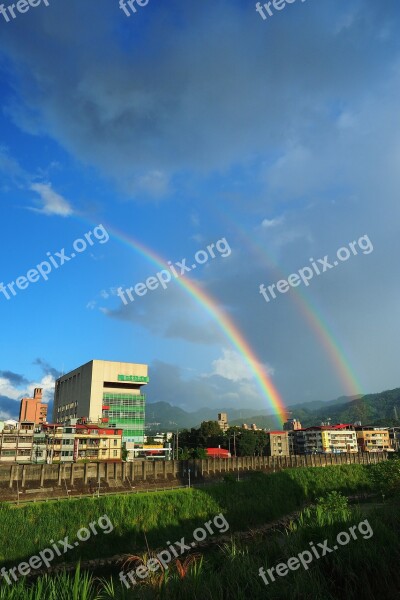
[313, 316]
[225, 323]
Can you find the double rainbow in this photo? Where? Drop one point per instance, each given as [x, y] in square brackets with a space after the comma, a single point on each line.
[224, 322]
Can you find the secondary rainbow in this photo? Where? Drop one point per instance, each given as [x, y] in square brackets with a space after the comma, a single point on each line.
[312, 315]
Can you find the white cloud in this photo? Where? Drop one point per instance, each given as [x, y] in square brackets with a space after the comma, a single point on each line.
[233, 367]
[154, 183]
[267, 223]
[53, 203]
[7, 389]
[47, 383]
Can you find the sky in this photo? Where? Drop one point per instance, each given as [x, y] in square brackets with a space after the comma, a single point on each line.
[188, 124]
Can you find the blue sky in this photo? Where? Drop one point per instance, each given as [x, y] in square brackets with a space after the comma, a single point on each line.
[180, 125]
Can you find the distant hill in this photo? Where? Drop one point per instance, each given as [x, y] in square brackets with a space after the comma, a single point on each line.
[172, 417]
[378, 409]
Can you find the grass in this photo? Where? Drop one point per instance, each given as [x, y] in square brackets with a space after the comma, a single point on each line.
[168, 515]
[230, 571]
[366, 568]
[263, 498]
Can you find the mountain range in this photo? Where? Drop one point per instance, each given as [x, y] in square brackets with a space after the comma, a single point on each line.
[380, 408]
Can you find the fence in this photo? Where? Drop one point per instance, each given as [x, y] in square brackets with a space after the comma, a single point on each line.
[113, 475]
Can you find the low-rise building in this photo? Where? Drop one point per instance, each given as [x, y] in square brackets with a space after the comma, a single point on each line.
[16, 440]
[277, 443]
[82, 441]
[373, 439]
[292, 425]
[323, 439]
[394, 436]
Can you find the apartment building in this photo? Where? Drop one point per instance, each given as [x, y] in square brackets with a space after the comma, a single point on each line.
[277, 443]
[223, 421]
[291, 425]
[79, 441]
[33, 409]
[373, 439]
[16, 441]
[394, 436]
[323, 439]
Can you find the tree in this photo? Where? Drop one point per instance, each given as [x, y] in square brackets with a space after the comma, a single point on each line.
[210, 434]
[246, 443]
[199, 453]
[124, 452]
[261, 443]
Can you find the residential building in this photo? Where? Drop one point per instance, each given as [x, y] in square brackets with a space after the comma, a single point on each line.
[252, 427]
[394, 436]
[291, 425]
[16, 442]
[223, 421]
[373, 439]
[324, 439]
[107, 391]
[74, 442]
[39, 447]
[33, 409]
[277, 443]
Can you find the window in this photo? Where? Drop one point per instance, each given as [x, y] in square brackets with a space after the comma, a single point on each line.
[115, 452]
[115, 442]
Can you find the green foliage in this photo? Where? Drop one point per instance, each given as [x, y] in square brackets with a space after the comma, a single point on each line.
[209, 434]
[169, 514]
[124, 452]
[385, 477]
[364, 568]
[246, 443]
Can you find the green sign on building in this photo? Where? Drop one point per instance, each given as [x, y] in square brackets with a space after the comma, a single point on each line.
[134, 378]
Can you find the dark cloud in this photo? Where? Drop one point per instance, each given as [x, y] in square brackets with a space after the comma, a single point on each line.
[14, 378]
[47, 368]
[9, 408]
[307, 100]
[176, 98]
[169, 313]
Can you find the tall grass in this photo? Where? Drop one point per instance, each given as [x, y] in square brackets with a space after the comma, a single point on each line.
[168, 515]
[364, 568]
